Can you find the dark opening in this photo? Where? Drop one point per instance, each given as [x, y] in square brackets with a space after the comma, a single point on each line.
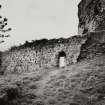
[62, 59]
[85, 31]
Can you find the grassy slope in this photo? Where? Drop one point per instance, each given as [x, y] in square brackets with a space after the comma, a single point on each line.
[79, 84]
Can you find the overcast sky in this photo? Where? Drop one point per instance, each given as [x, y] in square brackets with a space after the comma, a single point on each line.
[36, 19]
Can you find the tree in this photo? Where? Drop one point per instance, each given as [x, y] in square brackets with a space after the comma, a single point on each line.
[3, 28]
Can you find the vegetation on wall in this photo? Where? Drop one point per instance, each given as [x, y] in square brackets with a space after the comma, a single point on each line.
[38, 43]
[45, 42]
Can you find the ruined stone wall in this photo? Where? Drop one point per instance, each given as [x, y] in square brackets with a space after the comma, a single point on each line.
[31, 59]
[35, 58]
[91, 15]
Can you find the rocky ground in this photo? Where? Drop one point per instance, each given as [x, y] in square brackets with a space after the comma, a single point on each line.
[79, 84]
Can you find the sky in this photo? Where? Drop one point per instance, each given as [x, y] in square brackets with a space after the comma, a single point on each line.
[37, 19]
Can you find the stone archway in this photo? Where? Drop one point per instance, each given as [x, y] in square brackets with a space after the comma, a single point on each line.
[61, 59]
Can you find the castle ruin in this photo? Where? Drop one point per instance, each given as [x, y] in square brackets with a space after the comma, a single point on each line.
[45, 54]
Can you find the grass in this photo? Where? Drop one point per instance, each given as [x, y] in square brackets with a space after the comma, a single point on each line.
[79, 84]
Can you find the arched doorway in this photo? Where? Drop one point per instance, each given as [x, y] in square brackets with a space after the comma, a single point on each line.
[61, 59]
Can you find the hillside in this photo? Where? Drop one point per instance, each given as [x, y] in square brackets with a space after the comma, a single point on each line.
[79, 84]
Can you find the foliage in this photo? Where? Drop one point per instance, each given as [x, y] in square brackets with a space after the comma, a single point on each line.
[3, 28]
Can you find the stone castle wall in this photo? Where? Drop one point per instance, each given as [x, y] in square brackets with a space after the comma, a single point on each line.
[35, 58]
[46, 56]
[91, 26]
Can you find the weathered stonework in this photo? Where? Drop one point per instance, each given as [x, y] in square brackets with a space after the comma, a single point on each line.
[93, 46]
[46, 56]
[43, 54]
[91, 15]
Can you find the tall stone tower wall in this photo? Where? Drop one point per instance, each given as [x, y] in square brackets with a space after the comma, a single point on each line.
[91, 15]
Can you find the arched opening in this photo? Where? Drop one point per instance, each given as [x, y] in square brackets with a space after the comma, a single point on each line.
[61, 59]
